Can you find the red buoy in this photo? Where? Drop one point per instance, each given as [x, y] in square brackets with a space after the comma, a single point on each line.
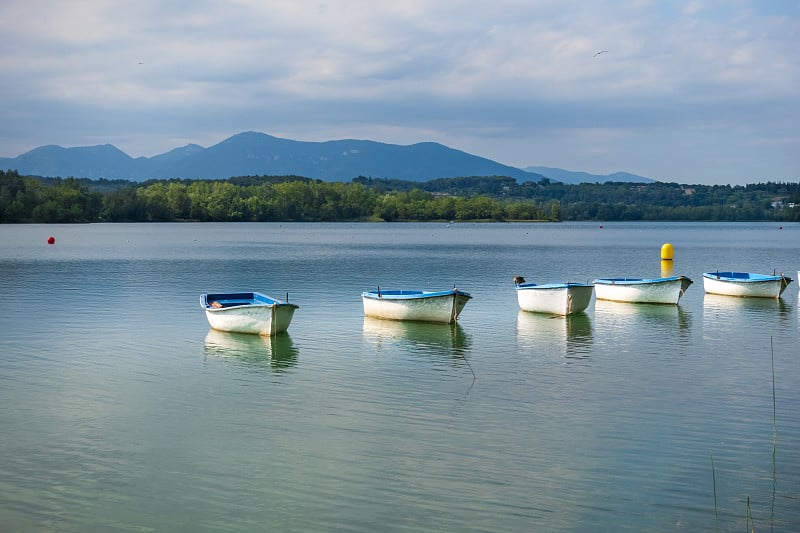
[51, 240]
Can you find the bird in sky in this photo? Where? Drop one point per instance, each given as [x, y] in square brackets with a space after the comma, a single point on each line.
[600, 52]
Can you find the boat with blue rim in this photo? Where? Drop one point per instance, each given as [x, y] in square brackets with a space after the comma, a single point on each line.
[745, 284]
[565, 298]
[642, 290]
[247, 312]
[425, 306]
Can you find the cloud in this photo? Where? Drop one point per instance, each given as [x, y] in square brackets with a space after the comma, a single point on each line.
[517, 81]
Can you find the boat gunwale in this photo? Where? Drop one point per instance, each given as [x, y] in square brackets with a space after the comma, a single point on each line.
[751, 277]
[565, 285]
[635, 281]
[412, 294]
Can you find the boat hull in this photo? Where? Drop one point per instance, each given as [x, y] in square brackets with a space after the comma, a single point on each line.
[554, 298]
[247, 313]
[745, 284]
[635, 290]
[423, 306]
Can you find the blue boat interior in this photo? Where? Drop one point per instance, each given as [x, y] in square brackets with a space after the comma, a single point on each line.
[237, 299]
[731, 275]
[741, 276]
[746, 277]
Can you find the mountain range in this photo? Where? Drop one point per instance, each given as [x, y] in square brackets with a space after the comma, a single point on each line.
[256, 154]
[567, 176]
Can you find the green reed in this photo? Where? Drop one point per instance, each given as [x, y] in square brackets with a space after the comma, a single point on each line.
[749, 523]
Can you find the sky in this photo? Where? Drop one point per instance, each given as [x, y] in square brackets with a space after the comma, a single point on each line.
[701, 92]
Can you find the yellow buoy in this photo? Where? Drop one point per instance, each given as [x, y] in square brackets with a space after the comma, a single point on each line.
[667, 252]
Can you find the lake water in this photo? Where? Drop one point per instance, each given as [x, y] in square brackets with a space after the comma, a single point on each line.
[120, 410]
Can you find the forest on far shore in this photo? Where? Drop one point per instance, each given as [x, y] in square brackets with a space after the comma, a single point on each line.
[30, 199]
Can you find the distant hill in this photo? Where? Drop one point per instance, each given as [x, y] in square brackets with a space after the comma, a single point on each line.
[258, 154]
[255, 154]
[81, 162]
[569, 177]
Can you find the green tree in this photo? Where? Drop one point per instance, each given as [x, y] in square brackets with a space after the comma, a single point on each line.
[68, 200]
[123, 205]
[155, 201]
[18, 197]
[178, 200]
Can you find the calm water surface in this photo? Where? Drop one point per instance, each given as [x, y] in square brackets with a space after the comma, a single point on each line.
[121, 411]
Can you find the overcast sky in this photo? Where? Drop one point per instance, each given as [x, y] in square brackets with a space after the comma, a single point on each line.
[703, 91]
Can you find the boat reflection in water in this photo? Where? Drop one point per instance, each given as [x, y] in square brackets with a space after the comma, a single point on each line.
[635, 310]
[742, 312]
[275, 351]
[421, 347]
[642, 319]
[570, 336]
[724, 317]
[428, 337]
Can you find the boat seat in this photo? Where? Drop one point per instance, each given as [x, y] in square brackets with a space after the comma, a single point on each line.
[232, 303]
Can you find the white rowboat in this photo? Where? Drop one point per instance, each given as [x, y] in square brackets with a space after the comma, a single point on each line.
[553, 298]
[425, 306]
[745, 284]
[247, 312]
[639, 290]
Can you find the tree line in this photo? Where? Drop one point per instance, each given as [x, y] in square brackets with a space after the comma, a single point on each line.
[29, 199]
[25, 199]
